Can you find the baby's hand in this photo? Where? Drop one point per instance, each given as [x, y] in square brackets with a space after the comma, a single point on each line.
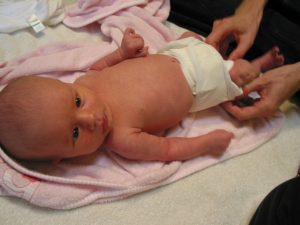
[132, 45]
[220, 142]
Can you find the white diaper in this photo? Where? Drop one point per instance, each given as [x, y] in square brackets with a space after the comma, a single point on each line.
[205, 71]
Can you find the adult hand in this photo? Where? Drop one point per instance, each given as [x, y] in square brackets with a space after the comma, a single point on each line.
[242, 27]
[274, 87]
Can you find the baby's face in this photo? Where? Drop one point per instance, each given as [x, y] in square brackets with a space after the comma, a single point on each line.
[75, 121]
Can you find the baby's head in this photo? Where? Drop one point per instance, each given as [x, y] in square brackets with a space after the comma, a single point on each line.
[46, 119]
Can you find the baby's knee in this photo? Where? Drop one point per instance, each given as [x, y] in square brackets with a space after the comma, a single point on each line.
[191, 34]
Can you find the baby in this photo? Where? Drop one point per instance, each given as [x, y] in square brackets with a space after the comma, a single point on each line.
[123, 101]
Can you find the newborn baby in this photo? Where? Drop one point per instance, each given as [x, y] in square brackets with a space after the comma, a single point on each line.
[124, 100]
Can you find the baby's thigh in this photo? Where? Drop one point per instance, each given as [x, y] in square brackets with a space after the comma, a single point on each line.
[191, 34]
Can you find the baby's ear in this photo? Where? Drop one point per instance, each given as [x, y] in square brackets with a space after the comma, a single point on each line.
[56, 161]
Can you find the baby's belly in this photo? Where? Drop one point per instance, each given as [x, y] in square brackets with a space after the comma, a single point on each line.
[167, 96]
[149, 93]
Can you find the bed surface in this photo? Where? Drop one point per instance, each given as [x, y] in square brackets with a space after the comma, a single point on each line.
[227, 193]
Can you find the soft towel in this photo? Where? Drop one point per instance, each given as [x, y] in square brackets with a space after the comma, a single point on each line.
[104, 176]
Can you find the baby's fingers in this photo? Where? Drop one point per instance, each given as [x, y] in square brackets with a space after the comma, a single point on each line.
[129, 31]
[221, 140]
[143, 52]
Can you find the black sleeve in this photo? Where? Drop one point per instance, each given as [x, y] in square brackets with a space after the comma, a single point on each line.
[280, 206]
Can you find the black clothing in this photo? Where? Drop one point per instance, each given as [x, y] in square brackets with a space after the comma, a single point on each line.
[280, 25]
[281, 206]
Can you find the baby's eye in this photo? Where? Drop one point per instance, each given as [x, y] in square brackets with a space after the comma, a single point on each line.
[75, 133]
[78, 102]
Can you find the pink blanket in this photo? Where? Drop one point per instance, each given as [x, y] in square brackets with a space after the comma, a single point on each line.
[105, 176]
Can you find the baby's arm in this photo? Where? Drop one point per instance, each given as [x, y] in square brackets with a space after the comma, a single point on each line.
[132, 46]
[134, 144]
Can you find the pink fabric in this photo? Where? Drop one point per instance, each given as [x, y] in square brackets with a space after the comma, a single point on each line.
[104, 176]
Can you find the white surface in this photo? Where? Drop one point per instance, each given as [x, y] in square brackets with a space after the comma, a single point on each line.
[226, 193]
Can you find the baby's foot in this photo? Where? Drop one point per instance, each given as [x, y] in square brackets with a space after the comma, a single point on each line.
[273, 58]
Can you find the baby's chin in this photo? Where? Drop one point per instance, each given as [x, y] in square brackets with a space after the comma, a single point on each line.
[108, 114]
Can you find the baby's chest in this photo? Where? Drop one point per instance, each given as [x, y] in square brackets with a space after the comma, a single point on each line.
[151, 112]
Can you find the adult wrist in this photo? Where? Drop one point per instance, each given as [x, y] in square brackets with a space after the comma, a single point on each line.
[295, 73]
[252, 8]
[295, 98]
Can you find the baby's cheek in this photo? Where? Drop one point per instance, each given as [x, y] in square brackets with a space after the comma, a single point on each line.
[96, 141]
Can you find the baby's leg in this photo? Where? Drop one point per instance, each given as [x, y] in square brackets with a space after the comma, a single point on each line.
[269, 60]
[244, 72]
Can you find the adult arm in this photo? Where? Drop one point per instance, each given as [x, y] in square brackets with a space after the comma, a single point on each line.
[274, 87]
[242, 26]
[132, 46]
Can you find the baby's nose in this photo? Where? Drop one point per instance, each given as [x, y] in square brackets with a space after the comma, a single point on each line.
[89, 120]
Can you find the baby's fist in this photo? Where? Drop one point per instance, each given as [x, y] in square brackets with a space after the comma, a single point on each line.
[221, 140]
[132, 45]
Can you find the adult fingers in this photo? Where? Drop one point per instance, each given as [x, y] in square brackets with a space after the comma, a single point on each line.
[244, 113]
[220, 31]
[244, 44]
[258, 85]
